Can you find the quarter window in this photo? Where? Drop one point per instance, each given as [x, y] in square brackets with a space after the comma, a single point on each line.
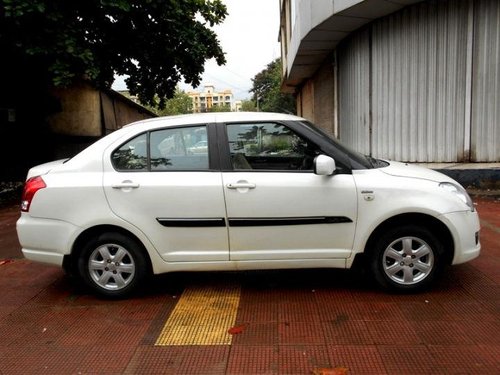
[133, 155]
[269, 146]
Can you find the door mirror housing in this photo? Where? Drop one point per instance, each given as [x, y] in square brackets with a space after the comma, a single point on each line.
[324, 165]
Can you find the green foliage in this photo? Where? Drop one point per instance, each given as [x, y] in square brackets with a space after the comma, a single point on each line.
[267, 90]
[248, 106]
[181, 103]
[156, 43]
[220, 108]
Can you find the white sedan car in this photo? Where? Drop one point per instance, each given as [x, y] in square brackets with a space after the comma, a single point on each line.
[270, 191]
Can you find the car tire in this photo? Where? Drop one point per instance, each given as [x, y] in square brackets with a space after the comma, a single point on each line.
[407, 259]
[113, 265]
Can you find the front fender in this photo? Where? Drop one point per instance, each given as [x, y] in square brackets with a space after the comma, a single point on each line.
[382, 197]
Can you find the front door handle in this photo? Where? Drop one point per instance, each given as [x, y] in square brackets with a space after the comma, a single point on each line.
[241, 185]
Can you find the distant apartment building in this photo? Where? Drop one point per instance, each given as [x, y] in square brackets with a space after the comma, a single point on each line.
[206, 100]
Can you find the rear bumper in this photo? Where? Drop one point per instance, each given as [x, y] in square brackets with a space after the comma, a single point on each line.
[43, 256]
[44, 240]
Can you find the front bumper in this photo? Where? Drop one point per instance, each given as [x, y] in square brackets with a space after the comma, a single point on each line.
[464, 227]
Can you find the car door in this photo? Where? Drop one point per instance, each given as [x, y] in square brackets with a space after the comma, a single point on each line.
[277, 208]
[174, 195]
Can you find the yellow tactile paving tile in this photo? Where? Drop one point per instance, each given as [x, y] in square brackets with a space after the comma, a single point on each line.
[202, 316]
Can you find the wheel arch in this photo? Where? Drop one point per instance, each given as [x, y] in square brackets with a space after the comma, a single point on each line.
[429, 222]
[70, 262]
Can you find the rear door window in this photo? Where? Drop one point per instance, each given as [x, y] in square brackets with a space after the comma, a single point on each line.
[173, 149]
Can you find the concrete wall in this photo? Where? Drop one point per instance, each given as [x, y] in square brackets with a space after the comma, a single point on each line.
[324, 112]
[316, 99]
[118, 111]
[305, 101]
[85, 114]
[80, 112]
[88, 112]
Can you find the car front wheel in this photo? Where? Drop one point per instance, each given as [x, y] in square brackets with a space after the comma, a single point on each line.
[407, 259]
[112, 265]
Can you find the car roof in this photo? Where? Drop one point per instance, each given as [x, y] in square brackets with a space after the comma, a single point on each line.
[189, 119]
[217, 117]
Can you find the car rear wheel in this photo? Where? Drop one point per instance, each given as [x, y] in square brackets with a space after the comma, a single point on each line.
[407, 259]
[112, 265]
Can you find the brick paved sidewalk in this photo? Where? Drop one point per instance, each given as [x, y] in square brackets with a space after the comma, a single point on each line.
[284, 322]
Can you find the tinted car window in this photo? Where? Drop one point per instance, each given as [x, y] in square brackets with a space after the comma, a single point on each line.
[133, 155]
[357, 160]
[269, 146]
[169, 149]
[179, 149]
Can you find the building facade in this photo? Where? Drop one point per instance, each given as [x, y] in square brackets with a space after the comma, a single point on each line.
[209, 99]
[408, 80]
[55, 123]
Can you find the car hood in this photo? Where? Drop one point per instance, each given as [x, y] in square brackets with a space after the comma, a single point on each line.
[45, 168]
[414, 171]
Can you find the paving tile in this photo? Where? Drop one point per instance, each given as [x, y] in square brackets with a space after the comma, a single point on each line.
[42, 359]
[202, 316]
[463, 359]
[325, 296]
[348, 332]
[106, 359]
[485, 292]
[298, 312]
[338, 310]
[441, 332]
[393, 333]
[482, 333]
[358, 359]
[467, 310]
[251, 360]
[403, 359]
[119, 334]
[295, 333]
[425, 310]
[302, 359]
[258, 312]
[22, 323]
[141, 310]
[493, 306]
[257, 334]
[493, 351]
[382, 311]
[192, 360]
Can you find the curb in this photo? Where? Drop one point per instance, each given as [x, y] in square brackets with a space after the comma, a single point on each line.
[475, 179]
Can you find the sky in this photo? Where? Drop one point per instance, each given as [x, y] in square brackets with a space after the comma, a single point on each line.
[249, 37]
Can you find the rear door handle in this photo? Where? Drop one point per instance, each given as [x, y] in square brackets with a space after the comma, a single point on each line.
[126, 185]
[241, 185]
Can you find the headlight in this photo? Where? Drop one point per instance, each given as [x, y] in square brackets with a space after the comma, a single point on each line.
[459, 191]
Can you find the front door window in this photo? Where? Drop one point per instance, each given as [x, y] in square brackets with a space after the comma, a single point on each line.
[269, 146]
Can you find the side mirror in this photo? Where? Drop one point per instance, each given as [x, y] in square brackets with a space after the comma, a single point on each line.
[324, 165]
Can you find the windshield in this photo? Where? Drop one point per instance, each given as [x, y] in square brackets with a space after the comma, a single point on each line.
[358, 160]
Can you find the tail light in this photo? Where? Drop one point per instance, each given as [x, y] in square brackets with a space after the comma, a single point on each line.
[30, 188]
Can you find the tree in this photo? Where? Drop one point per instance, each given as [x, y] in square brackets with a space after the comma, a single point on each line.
[220, 108]
[267, 90]
[154, 43]
[180, 104]
[248, 106]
